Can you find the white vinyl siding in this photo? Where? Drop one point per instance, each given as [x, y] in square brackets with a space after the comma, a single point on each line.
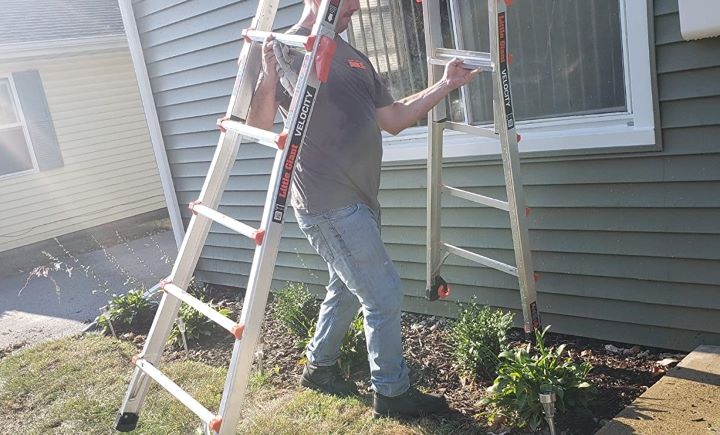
[109, 170]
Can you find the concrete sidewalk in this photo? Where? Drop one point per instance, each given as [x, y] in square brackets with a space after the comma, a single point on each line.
[686, 401]
[42, 311]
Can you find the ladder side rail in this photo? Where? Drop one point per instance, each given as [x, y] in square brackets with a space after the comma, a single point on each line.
[505, 125]
[260, 279]
[433, 40]
[199, 226]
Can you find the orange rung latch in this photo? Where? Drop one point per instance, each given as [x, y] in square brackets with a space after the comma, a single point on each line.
[310, 42]
[528, 210]
[281, 139]
[536, 277]
[508, 2]
[237, 331]
[245, 36]
[215, 424]
[192, 205]
[219, 123]
[258, 236]
[518, 137]
[135, 359]
[164, 282]
[324, 57]
[444, 291]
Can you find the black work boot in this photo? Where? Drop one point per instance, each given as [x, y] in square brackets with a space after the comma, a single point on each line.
[412, 403]
[327, 379]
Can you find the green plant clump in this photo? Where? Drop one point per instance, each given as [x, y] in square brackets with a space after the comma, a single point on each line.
[197, 325]
[524, 374]
[128, 312]
[478, 336]
[297, 309]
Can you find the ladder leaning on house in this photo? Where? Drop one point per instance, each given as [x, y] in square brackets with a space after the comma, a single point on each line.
[495, 62]
[319, 49]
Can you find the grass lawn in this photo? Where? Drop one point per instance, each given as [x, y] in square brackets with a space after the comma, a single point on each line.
[76, 385]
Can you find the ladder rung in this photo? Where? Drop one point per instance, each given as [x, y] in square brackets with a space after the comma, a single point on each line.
[246, 230]
[480, 199]
[471, 129]
[486, 261]
[291, 40]
[471, 59]
[263, 137]
[212, 420]
[235, 328]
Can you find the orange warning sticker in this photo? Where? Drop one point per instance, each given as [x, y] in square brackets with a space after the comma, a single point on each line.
[354, 63]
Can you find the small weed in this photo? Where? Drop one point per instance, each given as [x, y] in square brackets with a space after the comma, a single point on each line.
[524, 374]
[196, 325]
[128, 312]
[478, 336]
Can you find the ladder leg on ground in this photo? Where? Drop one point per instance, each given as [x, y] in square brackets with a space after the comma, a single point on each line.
[495, 62]
[319, 49]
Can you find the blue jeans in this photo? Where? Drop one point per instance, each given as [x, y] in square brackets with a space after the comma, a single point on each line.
[361, 276]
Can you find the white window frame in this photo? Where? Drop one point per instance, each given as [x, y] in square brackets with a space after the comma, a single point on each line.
[633, 130]
[23, 124]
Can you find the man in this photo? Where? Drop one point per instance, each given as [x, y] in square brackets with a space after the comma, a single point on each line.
[334, 195]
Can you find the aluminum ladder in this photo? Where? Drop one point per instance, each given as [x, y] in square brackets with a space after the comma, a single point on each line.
[319, 48]
[496, 63]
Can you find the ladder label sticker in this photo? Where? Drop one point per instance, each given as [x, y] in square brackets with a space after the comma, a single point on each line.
[332, 11]
[504, 76]
[291, 155]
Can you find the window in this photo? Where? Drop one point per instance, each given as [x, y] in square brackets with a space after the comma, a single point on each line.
[580, 77]
[15, 149]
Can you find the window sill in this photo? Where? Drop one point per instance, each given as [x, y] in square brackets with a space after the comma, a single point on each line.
[610, 133]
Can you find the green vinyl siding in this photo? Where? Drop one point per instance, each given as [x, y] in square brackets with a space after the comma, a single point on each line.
[627, 245]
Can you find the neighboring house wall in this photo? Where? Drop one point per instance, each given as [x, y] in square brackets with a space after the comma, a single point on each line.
[627, 245]
[108, 170]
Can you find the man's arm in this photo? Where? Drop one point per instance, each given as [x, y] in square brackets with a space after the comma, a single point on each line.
[264, 106]
[404, 113]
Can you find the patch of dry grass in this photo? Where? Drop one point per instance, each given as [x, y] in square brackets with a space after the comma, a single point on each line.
[76, 385]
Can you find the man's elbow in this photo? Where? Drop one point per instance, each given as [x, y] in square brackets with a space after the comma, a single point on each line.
[393, 130]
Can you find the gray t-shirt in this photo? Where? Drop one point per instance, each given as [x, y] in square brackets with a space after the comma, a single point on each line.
[339, 163]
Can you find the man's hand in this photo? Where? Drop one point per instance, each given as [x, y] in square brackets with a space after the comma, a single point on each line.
[455, 75]
[269, 61]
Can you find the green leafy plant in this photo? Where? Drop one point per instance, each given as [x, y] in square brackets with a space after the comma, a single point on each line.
[354, 347]
[477, 337]
[197, 325]
[128, 312]
[297, 309]
[523, 374]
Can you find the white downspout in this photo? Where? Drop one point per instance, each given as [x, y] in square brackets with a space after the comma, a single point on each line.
[148, 101]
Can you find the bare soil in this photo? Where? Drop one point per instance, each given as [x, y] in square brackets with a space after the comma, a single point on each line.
[617, 377]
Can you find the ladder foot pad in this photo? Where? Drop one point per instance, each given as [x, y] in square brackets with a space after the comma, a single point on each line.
[215, 424]
[126, 421]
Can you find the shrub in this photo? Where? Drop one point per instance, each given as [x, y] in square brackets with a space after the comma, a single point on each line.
[478, 336]
[523, 375]
[197, 325]
[128, 312]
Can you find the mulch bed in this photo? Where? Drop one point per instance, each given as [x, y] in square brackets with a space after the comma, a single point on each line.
[618, 378]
